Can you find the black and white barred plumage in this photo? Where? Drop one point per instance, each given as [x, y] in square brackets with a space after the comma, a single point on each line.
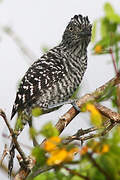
[54, 77]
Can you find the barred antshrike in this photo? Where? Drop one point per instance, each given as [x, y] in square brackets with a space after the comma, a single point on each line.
[54, 77]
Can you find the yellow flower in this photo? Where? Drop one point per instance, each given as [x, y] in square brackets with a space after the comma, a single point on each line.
[71, 153]
[84, 150]
[57, 157]
[105, 148]
[51, 143]
[100, 148]
[96, 117]
[98, 49]
[58, 154]
[95, 146]
[61, 155]
[90, 107]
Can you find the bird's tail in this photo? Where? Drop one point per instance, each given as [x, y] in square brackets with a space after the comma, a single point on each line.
[11, 158]
[22, 119]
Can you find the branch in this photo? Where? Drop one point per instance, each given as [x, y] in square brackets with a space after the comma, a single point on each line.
[14, 139]
[98, 167]
[46, 168]
[113, 116]
[76, 173]
[117, 73]
[80, 136]
[90, 136]
[37, 172]
[79, 133]
[4, 168]
[4, 135]
[68, 117]
[118, 98]
[68, 140]
[114, 119]
[113, 61]
[25, 50]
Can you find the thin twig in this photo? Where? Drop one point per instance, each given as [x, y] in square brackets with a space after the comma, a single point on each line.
[79, 133]
[103, 133]
[4, 135]
[25, 50]
[82, 138]
[118, 98]
[4, 168]
[113, 60]
[76, 173]
[117, 73]
[113, 116]
[39, 171]
[46, 168]
[98, 167]
[14, 139]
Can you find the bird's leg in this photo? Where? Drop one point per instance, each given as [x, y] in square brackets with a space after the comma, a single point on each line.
[69, 101]
[75, 106]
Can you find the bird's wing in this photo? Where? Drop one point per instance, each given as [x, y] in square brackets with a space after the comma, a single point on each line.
[41, 75]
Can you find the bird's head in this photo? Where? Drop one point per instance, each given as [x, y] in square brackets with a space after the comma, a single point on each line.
[78, 31]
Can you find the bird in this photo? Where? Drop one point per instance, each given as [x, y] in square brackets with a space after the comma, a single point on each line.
[55, 76]
[52, 79]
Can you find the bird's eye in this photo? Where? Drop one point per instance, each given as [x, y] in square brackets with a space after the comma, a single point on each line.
[70, 28]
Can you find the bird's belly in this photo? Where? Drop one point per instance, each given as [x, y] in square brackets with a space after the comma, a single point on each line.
[56, 94]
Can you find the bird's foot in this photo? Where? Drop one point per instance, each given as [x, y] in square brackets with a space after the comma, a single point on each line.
[75, 106]
[69, 101]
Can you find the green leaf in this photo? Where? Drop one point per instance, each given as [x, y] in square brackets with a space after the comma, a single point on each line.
[32, 132]
[49, 130]
[114, 97]
[103, 27]
[19, 124]
[108, 41]
[51, 175]
[76, 178]
[108, 9]
[107, 93]
[108, 164]
[115, 18]
[94, 31]
[46, 176]
[116, 136]
[74, 96]
[110, 14]
[45, 49]
[95, 174]
[60, 175]
[37, 111]
[117, 53]
[39, 155]
[41, 177]
[107, 27]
